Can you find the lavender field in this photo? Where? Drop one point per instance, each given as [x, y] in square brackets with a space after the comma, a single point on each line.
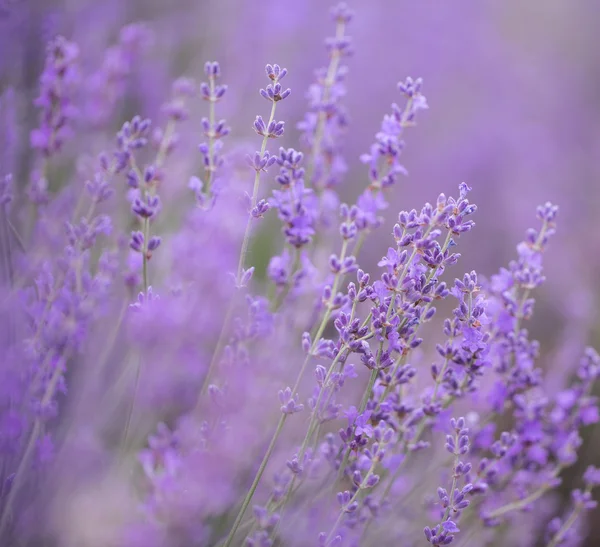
[290, 273]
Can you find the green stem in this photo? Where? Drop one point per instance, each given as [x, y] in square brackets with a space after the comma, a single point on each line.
[136, 383]
[161, 155]
[361, 487]
[246, 240]
[210, 169]
[261, 470]
[363, 404]
[241, 263]
[27, 454]
[145, 231]
[332, 69]
[217, 352]
[279, 299]
[522, 503]
[562, 532]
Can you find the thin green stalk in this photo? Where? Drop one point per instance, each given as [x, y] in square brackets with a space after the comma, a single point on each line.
[453, 488]
[145, 231]
[567, 525]
[261, 470]
[27, 454]
[519, 504]
[314, 425]
[161, 156]
[241, 264]
[279, 299]
[130, 411]
[332, 69]
[217, 352]
[420, 430]
[323, 323]
[246, 240]
[210, 169]
[360, 488]
[361, 409]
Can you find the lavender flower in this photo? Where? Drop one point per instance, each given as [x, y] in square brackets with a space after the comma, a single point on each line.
[106, 87]
[213, 130]
[291, 392]
[262, 160]
[326, 119]
[456, 501]
[55, 99]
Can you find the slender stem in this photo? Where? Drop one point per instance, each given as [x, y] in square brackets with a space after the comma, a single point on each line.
[16, 235]
[210, 169]
[241, 264]
[246, 240]
[332, 69]
[522, 503]
[217, 352]
[519, 504]
[261, 470]
[362, 486]
[440, 376]
[161, 155]
[323, 323]
[367, 393]
[146, 232]
[136, 383]
[562, 532]
[279, 299]
[313, 424]
[363, 405]
[26, 457]
[453, 487]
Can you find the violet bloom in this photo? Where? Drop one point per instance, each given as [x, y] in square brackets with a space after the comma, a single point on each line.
[55, 100]
[107, 86]
[214, 130]
[165, 378]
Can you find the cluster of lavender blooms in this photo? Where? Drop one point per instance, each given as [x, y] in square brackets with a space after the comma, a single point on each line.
[159, 380]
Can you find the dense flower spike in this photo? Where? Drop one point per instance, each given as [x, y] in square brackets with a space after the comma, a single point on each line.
[325, 123]
[158, 378]
[107, 86]
[55, 99]
[326, 119]
[383, 158]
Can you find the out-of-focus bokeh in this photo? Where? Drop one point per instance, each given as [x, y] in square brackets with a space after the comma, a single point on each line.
[513, 89]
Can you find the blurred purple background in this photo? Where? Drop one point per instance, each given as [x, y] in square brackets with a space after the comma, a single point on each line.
[513, 90]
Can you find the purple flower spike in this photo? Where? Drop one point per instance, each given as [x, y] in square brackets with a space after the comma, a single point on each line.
[58, 84]
[377, 361]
